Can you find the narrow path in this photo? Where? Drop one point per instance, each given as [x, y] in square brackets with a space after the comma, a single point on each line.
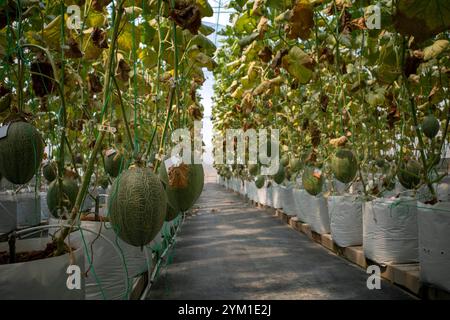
[231, 250]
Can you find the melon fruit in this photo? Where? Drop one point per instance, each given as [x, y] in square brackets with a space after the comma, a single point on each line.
[285, 161]
[280, 175]
[312, 180]
[114, 163]
[295, 165]
[183, 184]
[253, 169]
[430, 126]
[409, 174]
[49, 171]
[137, 206]
[21, 152]
[259, 182]
[103, 182]
[344, 165]
[68, 197]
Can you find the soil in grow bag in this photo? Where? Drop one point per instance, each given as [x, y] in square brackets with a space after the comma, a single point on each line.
[28, 256]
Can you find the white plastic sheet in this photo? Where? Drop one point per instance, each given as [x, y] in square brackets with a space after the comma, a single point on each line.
[28, 209]
[346, 220]
[434, 244]
[8, 212]
[390, 230]
[269, 198]
[262, 195]
[44, 279]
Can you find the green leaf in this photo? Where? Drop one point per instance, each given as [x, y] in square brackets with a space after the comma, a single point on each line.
[205, 8]
[299, 65]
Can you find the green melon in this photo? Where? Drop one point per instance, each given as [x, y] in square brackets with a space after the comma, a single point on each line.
[68, 198]
[311, 182]
[49, 171]
[21, 152]
[295, 164]
[253, 169]
[344, 165]
[137, 206]
[430, 126]
[409, 174]
[184, 198]
[259, 182]
[280, 175]
[114, 164]
[171, 213]
[285, 161]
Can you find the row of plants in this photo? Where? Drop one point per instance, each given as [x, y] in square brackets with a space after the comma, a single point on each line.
[90, 93]
[353, 102]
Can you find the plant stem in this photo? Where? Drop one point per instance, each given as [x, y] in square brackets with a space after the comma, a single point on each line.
[74, 216]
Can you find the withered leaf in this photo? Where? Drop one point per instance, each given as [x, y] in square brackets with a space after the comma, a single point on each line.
[99, 38]
[187, 16]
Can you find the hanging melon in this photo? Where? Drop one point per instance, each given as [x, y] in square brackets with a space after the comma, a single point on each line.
[103, 182]
[183, 184]
[285, 160]
[280, 175]
[49, 171]
[137, 206]
[259, 182]
[312, 180]
[344, 165]
[430, 126]
[114, 162]
[253, 169]
[21, 152]
[69, 195]
[409, 174]
[295, 165]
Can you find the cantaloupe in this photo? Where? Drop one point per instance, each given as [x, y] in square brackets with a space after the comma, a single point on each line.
[430, 126]
[295, 164]
[409, 174]
[137, 206]
[280, 175]
[114, 163]
[68, 197]
[259, 181]
[21, 152]
[285, 160]
[253, 169]
[182, 191]
[344, 165]
[49, 171]
[313, 180]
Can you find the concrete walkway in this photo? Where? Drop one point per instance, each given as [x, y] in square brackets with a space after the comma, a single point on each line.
[231, 250]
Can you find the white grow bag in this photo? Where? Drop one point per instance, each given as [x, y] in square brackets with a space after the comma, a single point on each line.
[269, 198]
[108, 265]
[262, 195]
[44, 279]
[346, 220]
[287, 201]
[390, 230]
[434, 244]
[300, 203]
[316, 213]
[251, 190]
[277, 196]
[8, 212]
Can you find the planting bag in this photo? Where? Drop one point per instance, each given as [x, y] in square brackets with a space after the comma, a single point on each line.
[277, 194]
[288, 203]
[28, 209]
[434, 244]
[316, 214]
[390, 230]
[43, 279]
[346, 220]
[299, 196]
